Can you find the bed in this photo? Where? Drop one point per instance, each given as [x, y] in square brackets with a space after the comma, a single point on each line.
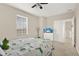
[29, 47]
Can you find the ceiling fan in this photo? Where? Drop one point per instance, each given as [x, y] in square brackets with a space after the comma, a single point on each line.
[39, 5]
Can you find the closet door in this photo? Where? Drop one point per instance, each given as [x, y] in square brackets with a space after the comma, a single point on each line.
[69, 31]
[64, 31]
[59, 31]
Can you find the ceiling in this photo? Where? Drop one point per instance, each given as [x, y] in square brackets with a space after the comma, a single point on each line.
[49, 9]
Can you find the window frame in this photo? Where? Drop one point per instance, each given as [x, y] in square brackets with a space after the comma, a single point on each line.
[26, 23]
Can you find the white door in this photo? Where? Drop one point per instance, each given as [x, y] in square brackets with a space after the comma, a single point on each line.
[69, 31]
[59, 30]
[64, 31]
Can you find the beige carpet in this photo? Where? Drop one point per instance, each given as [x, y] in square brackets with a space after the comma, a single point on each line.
[63, 49]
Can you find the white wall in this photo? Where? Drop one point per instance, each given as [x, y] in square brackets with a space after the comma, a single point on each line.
[8, 22]
[77, 26]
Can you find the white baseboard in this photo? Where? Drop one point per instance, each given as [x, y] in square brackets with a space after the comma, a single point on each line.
[77, 50]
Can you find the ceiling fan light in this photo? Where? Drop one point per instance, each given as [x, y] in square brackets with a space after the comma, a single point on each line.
[41, 7]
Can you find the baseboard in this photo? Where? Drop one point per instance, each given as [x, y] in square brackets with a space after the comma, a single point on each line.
[59, 41]
[77, 50]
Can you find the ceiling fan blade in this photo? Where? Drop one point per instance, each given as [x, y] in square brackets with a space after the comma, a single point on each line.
[33, 6]
[43, 3]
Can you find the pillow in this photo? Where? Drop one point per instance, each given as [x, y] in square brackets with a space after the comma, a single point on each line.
[2, 53]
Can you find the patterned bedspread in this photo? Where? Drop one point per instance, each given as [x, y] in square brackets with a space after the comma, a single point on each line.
[29, 47]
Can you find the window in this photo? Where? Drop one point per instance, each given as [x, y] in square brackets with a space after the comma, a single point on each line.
[21, 25]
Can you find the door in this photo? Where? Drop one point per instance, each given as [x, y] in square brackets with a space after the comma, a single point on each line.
[64, 31]
[69, 31]
[59, 30]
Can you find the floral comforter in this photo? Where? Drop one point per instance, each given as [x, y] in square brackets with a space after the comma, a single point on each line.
[29, 47]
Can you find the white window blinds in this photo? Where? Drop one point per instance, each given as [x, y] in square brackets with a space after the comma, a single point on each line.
[21, 25]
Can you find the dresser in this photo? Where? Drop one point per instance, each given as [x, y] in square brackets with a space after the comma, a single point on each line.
[48, 36]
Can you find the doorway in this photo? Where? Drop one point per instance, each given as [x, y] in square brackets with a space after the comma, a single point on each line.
[64, 31]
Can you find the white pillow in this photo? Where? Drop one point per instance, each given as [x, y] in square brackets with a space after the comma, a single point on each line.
[2, 53]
